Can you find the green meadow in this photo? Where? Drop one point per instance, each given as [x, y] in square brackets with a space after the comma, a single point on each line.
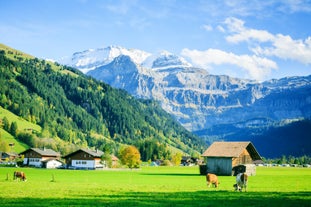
[22, 126]
[152, 187]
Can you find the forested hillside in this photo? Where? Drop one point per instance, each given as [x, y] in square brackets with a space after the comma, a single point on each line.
[76, 110]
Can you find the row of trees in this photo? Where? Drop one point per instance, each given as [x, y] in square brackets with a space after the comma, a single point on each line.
[131, 157]
[289, 160]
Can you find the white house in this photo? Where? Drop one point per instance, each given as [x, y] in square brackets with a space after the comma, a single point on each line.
[84, 159]
[46, 158]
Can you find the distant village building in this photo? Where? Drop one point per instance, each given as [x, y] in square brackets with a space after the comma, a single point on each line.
[8, 156]
[115, 161]
[45, 158]
[84, 159]
[229, 158]
[188, 161]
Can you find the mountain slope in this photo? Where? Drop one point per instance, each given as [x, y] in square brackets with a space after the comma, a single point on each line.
[81, 110]
[213, 106]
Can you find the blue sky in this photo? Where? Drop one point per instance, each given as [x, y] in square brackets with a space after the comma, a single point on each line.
[254, 39]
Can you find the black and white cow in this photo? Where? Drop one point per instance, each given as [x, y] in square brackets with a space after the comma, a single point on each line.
[241, 182]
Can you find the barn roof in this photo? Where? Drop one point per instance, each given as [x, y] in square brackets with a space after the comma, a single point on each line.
[43, 152]
[231, 149]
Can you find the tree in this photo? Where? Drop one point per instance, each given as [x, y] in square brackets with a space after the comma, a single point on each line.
[27, 138]
[130, 156]
[13, 128]
[106, 157]
[176, 158]
[6, 124]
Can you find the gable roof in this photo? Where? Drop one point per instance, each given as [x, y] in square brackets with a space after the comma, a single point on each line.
[51, 159]
[94, 153]
[231, 149]
[43, 152]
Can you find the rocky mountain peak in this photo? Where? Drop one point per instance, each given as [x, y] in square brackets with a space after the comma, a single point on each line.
[197, 99]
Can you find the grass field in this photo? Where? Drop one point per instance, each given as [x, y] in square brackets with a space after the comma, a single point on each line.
[22, 124]
[152, 187]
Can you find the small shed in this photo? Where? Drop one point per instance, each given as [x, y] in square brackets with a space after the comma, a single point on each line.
[222, 158]
[52, 163]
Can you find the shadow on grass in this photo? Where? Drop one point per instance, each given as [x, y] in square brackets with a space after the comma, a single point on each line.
[162, 199]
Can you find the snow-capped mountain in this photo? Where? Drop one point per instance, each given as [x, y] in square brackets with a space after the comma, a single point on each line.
[201, 102]
[164, 60]
[90, 59]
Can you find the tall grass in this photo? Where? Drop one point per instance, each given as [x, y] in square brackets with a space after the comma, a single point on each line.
[153, 186]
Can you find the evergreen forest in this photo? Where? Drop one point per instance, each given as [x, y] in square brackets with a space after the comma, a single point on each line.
[75, 110]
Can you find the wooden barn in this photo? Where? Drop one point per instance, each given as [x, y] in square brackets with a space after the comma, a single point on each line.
[228, 158]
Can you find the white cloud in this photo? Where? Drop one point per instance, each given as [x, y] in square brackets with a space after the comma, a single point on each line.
[293, 6]
[241, 33]
[286, 48]
[120, 7]
[281, 46]
[207, 27]
[262, 46]
[220, 28]
[254, 8]
[256, 67]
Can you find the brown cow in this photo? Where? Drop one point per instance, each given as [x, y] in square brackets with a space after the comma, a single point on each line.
[212, 179]
[19, 175]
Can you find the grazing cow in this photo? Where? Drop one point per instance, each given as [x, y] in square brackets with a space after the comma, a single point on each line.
[19, 175]
[212, 179]
[241, 182]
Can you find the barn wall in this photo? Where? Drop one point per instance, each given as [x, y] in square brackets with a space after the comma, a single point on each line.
[219, 165]
[250, 169]
[244, 158]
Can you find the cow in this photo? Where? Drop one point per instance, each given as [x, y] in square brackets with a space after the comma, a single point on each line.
[241, 182]
[19, 175]
[212, 179]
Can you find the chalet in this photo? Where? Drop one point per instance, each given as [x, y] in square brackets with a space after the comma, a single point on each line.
[84, 159]
[46, 158]
[8, 156]
[228, 158]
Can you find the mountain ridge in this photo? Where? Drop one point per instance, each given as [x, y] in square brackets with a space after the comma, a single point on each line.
[201, 101]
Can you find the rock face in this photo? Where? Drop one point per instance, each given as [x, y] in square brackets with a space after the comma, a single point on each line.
[201, 102]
